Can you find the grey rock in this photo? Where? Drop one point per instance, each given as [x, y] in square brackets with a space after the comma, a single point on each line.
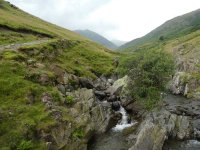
[116, 105]
[86, 83]
[101, 95]
[61, 88]
[113, 98]
[158, 126]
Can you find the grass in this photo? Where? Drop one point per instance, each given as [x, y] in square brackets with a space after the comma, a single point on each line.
[184, 48]
[20, 117]
[23, 115]
[8, 37]
[17, 20]
[177, 27]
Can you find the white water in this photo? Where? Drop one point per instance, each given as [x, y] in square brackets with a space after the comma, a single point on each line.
[124, 121]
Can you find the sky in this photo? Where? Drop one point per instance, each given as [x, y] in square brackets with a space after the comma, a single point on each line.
[115, 19]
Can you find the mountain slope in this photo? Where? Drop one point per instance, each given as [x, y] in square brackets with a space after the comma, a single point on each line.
[171, 29]
[40, 64]
[180, 37]
[97, 38]
[118, 42]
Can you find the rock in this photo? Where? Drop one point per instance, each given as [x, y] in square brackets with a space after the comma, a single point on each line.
[86, 83]
[178, 85]
[113, 98]
[100, 85]
[113, 120]
[117, 86]
[48, 145]
[101, 95]
[116, 105]
[61, 88]
[158, 126]
[111, 81]
[46, 97]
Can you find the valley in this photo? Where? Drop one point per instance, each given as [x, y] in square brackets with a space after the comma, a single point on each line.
[60, 90]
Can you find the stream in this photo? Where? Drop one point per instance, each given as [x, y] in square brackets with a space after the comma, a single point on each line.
[114, 139]
[182, 145]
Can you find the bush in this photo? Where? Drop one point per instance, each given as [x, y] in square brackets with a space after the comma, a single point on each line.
[150, 71]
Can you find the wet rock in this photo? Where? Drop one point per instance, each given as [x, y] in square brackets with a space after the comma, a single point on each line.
[113, 120]
[116, 105]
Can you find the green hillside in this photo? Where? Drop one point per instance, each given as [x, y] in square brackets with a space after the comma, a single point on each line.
[171, 29]
[180, 38]
[34, 57]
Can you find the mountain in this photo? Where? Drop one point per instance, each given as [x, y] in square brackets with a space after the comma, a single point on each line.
[118, 42]
[174, 28]
[180, 37]
[42, 68]
[97, 38]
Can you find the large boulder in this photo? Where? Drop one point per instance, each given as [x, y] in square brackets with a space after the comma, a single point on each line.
[158, 126]
[118, 86]
[89, 117]
[86, 83]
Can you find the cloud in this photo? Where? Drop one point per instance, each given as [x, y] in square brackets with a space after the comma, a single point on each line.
[115, 19]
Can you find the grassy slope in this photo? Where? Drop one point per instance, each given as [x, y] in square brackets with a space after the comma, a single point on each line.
[171, 29]
[181, 39]
[22, 118]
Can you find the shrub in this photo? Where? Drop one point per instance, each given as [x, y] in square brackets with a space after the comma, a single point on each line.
[149, 71]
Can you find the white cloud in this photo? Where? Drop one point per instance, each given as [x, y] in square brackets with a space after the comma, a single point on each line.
[115, 19]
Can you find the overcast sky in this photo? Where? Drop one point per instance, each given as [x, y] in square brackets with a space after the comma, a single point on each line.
[115, 19]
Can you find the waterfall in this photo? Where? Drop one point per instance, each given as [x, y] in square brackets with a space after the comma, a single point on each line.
[124, 121]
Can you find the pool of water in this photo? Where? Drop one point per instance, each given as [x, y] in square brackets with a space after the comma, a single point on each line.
[182, 145]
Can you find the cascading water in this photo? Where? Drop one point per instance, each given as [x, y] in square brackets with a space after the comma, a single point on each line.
[124, 123]
[114, 139]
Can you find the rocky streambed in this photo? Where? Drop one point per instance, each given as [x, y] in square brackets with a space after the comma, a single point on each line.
[100, 111]
[173, 126]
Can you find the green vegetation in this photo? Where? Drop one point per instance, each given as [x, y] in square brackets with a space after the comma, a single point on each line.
[150, 71]
[172, 29]
[29, 72]
[78, 133]
[21, 111]
[69, 99]
[25, 145]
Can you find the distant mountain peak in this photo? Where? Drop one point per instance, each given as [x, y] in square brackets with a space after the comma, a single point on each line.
[97, 38]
